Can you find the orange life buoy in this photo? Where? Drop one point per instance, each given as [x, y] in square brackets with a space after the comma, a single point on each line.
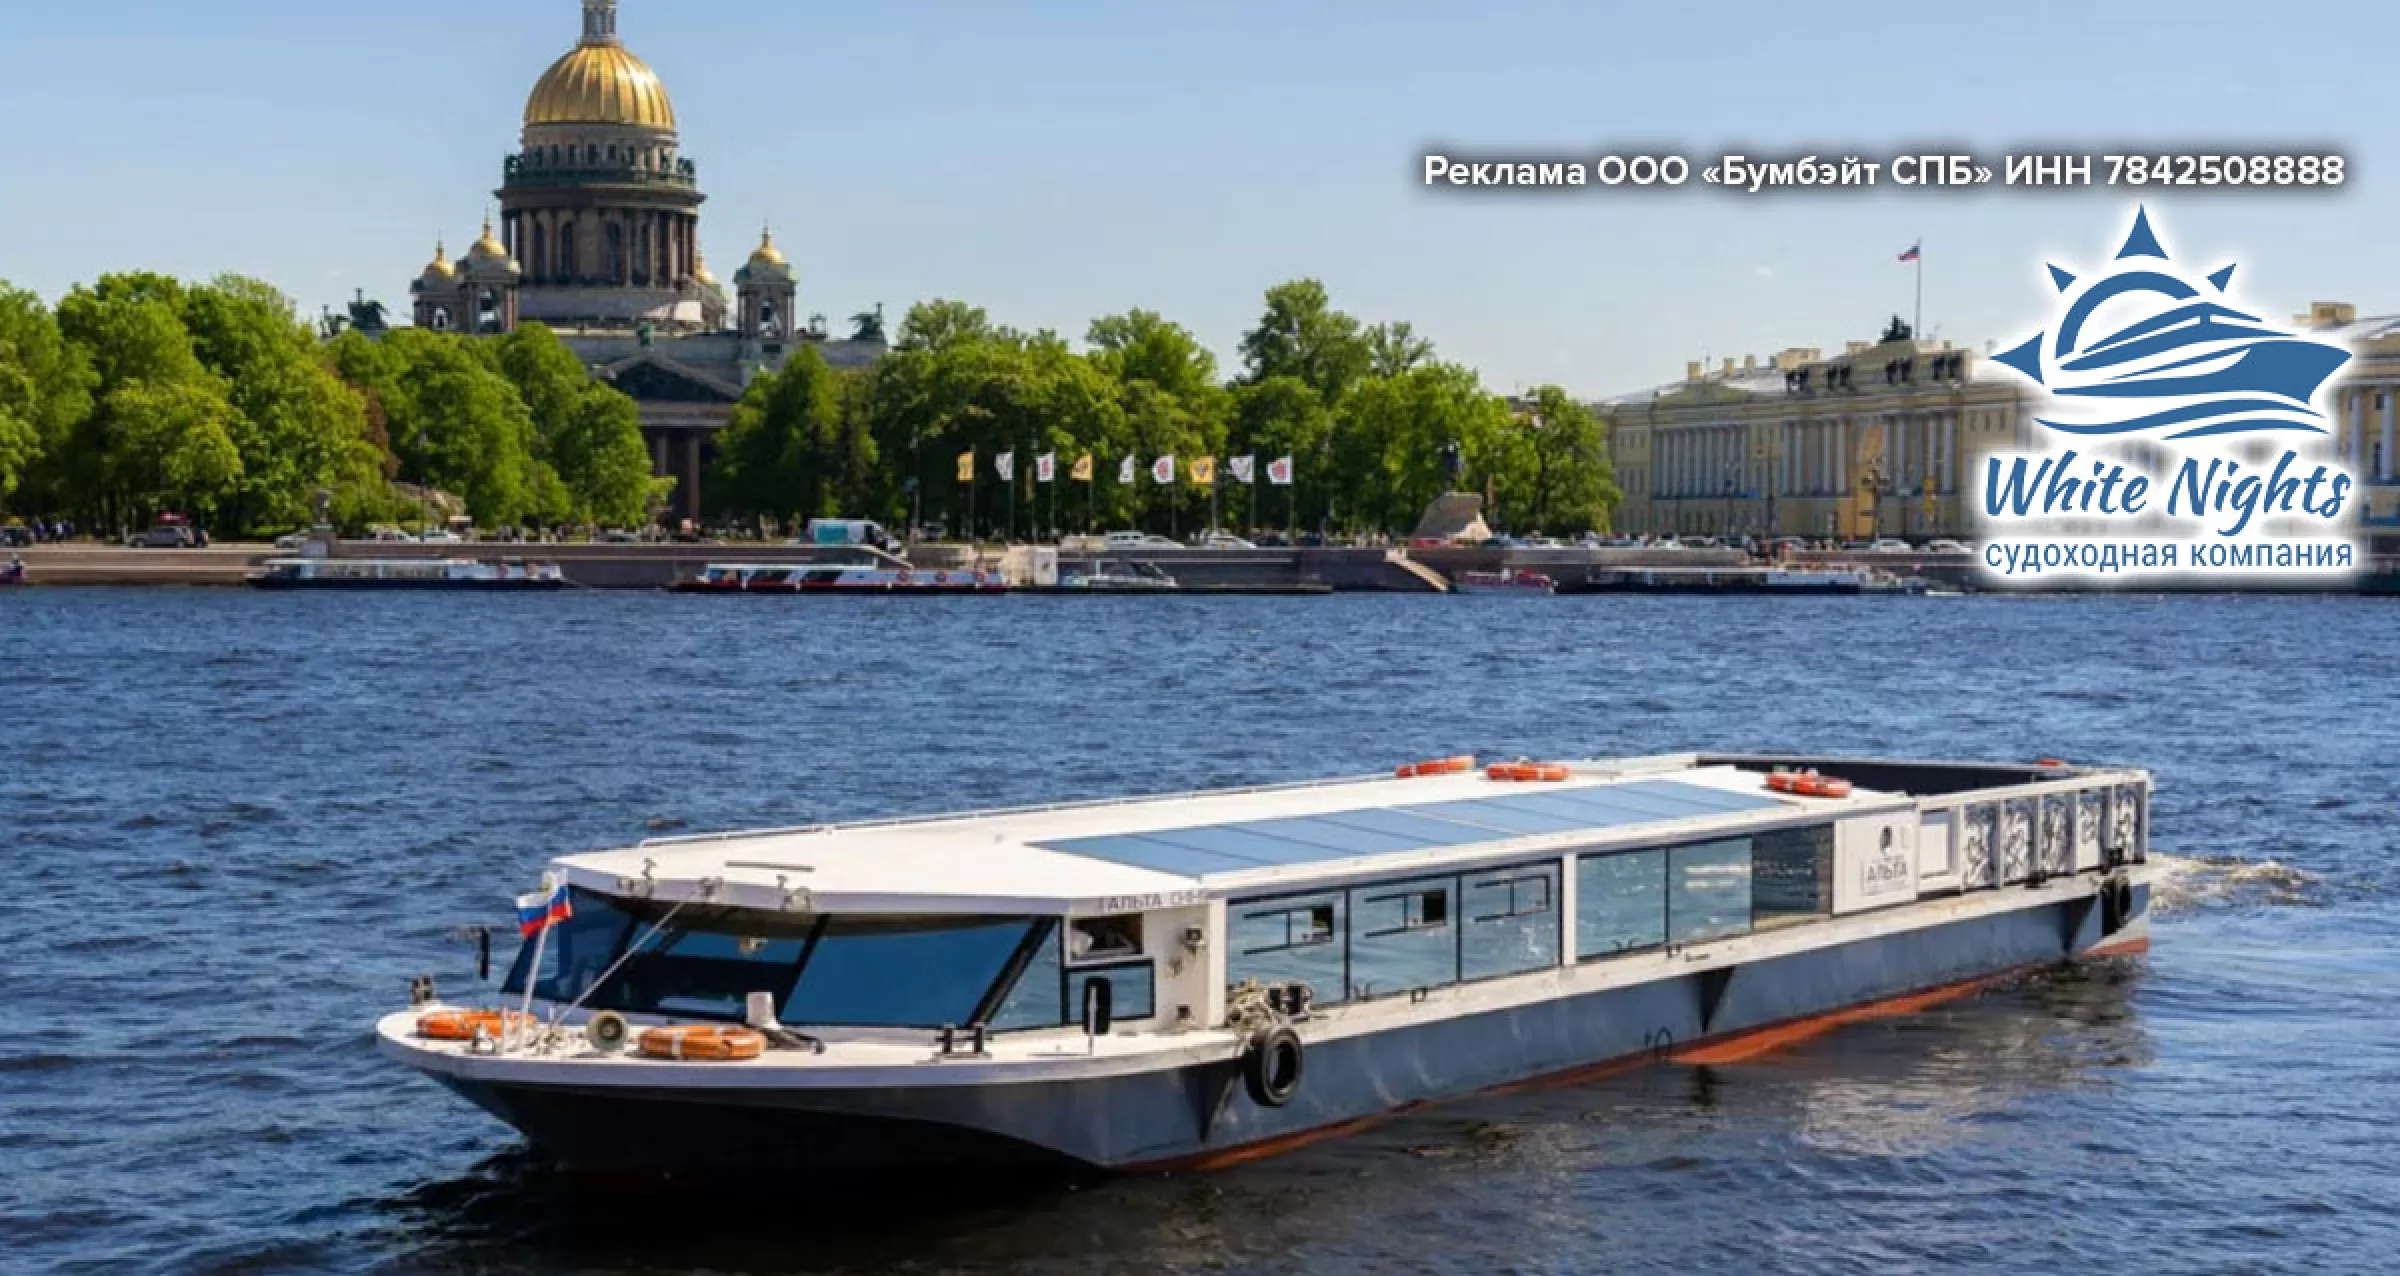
[703, 1042]
[2052, 762]
[1782, 781]
[1526, 772]
[465, 1025]
[1811, 784]
[1436, 766]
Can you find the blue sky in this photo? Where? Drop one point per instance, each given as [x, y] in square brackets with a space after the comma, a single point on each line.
[1060, 160]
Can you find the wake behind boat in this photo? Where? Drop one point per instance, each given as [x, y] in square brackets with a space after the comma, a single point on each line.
[1192, 981]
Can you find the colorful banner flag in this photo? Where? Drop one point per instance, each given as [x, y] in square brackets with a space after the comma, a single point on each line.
[1005, 465]
[1083, 468]
[1279, 472]
[543, 909]
[1913, 254]
[1125, 471]
[1162, 471]
[966, 467]
[1204, 471]
[1244, 469]
[1045, 467]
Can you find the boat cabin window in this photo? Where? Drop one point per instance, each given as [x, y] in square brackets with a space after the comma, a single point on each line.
[1791, 874]
[1400, 938]
[1098, 938]
[1620, 902]
[1512, 922]
[1708, 890]
[1291, 939]
[852, 970]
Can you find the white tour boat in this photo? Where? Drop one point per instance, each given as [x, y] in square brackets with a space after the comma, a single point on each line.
[408, 573]
[1503, 582]
[837, 578]
[1192, 981]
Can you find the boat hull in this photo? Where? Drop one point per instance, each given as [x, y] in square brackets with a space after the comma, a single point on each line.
[1198, 1116]
[416, 586]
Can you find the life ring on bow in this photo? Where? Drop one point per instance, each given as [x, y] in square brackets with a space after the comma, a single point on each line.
[1435, 766]
[466, 1025]
[703, 1042]
[941, 578]
[1271, 1071]
[1526, 772]
[903, 578]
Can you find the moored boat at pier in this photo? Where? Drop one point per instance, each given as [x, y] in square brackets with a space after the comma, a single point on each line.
[408, 574]
[837, 578]
[1503, 582]
[1191, 981]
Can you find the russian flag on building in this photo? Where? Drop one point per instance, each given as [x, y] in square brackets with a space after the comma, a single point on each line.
[543, 909]
[1912, 254]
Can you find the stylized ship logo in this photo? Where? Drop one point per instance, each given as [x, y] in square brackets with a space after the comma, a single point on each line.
[2188, 361]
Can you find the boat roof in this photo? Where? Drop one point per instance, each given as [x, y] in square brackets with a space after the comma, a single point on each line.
[1142, 853]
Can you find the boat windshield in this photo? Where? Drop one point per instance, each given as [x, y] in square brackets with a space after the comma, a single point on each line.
[824, 970]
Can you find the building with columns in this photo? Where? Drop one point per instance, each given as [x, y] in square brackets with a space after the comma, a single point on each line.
[1878, 440]
[599, 237]
[1883, 438]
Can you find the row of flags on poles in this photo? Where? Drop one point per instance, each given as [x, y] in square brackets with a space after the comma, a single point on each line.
[1202, 470]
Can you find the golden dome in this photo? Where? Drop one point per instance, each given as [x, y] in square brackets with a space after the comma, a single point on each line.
[700, 272]
[440, 267]
[768, 254]
[600, 83]
[487, 248]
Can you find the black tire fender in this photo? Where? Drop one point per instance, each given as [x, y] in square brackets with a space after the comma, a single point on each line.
[1271, 1071]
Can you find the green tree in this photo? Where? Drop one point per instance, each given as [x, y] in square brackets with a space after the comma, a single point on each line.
[599, 459]
[298, 427]
[781, 455]
[160, 434]
[1394, 348]
[45, 390]
[1282, 416]
[1301, 335]
[1565, 483]
[1392, 435]
[547, 375]
[456, 423]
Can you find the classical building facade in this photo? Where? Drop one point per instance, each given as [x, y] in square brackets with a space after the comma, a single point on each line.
[1878, 440]
[599, 238]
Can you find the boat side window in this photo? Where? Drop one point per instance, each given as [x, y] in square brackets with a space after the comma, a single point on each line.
[1100, 938]
[1708, 890]
[1512, 921]
[1038, 998]
[1620, 902]
[919, 972]
[1401, 937]
[1292, 939]
[1791, 873]
[1133, 990]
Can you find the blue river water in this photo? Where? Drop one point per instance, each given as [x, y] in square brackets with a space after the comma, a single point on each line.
[234, 825]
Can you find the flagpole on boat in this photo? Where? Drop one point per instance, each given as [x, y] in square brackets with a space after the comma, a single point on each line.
[533, 971]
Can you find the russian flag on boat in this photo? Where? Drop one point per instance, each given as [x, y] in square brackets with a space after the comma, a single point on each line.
[543, 909]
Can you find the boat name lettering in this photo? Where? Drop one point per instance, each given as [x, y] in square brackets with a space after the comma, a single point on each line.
[1886, 872]
[1146, 903]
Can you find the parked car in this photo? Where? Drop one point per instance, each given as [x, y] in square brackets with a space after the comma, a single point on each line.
[1889, 545]
[1270, 540]
[1703, 542]
[442, 536]
[388, 534]
[1946, 546]
[169, 536]
[1138, 540]
[1225, 540]
[16, 536]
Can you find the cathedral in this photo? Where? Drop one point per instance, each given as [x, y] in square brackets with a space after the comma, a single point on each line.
[599, 238]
